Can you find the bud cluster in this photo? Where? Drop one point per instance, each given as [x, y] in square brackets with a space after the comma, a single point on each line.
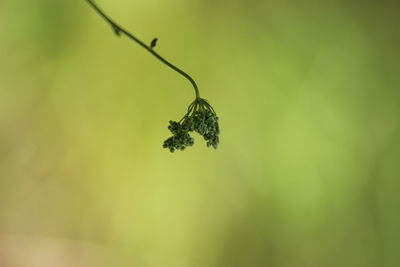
[200, 118]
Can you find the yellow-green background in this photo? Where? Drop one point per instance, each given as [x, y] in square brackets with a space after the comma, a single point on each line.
[307, 172]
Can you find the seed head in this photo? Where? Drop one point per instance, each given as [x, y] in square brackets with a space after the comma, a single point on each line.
[200, 118]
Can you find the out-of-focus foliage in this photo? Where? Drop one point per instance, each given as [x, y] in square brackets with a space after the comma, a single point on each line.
[307, 170]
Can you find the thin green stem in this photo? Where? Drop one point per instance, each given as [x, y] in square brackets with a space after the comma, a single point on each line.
[118, 29]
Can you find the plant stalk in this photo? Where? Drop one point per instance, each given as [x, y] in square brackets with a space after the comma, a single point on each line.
[118, 29]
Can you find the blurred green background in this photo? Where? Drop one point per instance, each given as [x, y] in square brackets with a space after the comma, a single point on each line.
[307, 172]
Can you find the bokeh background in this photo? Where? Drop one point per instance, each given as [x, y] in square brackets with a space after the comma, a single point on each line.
[307, 172]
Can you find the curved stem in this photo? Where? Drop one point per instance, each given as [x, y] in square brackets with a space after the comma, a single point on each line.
[118, 29]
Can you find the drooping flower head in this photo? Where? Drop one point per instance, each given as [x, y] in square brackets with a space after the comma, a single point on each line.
[200, 118]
